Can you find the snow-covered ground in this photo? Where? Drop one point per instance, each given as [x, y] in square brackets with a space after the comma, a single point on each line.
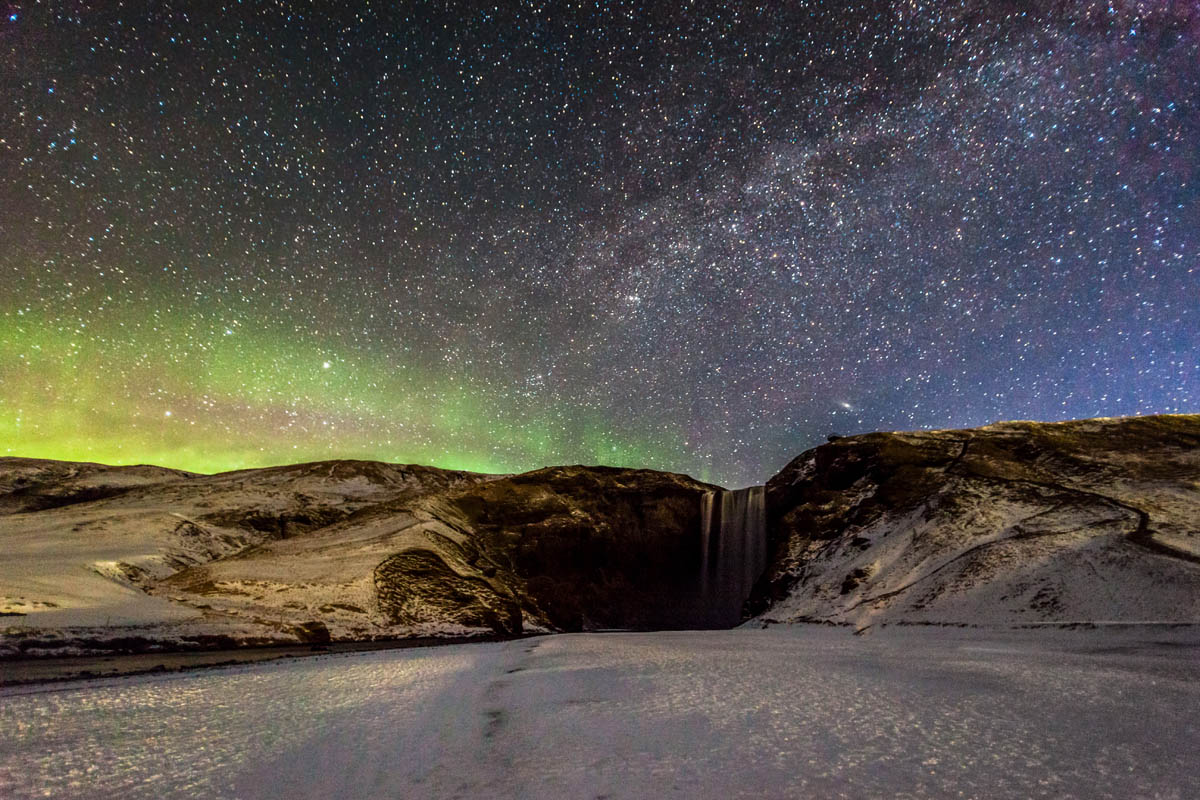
[781, 713]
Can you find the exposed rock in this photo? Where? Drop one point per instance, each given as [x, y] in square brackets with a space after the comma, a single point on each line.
[418, 587]
[586, 547]
[311, 632]
[278, 525]
[1014, 523]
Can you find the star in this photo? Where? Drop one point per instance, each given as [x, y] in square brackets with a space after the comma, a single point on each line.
[532, 236]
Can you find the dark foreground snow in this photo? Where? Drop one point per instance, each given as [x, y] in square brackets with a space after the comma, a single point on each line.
[804, 712]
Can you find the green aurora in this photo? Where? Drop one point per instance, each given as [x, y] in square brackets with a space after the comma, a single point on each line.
[185, 388]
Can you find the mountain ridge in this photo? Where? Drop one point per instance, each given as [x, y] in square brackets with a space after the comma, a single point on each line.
[1008, 524]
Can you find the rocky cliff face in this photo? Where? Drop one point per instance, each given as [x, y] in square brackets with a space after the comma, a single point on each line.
[564, 548]
[1014, 523]
[584, 547]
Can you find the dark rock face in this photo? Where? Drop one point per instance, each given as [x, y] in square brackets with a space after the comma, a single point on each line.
[278, 525]
[1012, 523]
[311, 632]
[589, 547]
[420, 586]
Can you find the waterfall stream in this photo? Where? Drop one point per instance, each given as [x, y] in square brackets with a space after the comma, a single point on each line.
[733, 538]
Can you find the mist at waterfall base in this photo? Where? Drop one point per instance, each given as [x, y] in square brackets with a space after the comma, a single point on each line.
[733, 553]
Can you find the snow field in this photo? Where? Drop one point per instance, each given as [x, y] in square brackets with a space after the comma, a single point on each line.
[778, 713]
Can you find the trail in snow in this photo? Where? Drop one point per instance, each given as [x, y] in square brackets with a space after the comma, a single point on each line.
[717, 714]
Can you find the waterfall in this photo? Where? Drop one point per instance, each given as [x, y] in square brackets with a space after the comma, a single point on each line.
[706, 524]
[733, 540]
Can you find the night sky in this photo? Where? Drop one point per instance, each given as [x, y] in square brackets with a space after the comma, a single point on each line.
[686, 237]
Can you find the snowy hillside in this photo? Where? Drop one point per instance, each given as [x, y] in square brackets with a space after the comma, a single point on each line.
[563, 548]
[1015, 523]
[86, 545]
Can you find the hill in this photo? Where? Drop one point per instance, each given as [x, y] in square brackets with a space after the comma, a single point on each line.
[1012, 524]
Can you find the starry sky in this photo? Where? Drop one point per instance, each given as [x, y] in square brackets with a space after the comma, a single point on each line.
[685, 236]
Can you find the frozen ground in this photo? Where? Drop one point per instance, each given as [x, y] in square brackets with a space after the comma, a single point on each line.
[803, 712]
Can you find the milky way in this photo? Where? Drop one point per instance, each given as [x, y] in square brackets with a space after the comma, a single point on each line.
[672, 236]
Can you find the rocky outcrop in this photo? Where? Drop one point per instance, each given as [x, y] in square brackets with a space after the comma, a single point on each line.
[1014, 523]
[422, 586]
[588, 547]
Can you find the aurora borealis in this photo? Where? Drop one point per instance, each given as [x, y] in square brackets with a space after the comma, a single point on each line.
[695, 237]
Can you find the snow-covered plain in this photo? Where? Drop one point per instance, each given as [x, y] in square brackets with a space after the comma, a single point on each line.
[783, 713]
